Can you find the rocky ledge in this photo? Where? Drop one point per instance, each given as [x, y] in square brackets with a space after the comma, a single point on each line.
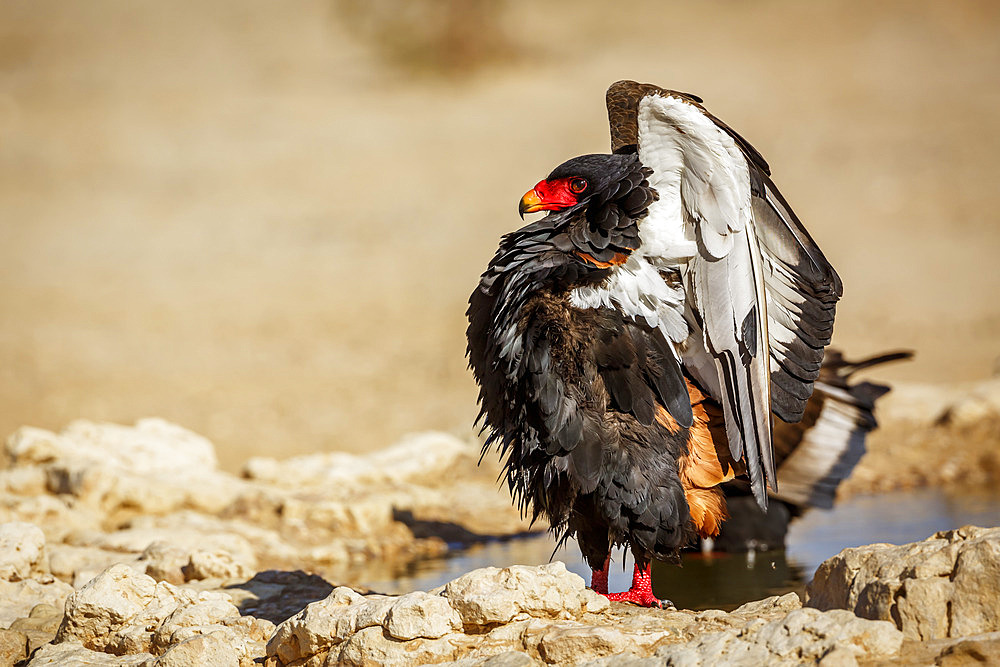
[931, 602]
[151, 494]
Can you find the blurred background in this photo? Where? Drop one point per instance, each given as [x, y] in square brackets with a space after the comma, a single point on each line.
[262, 220]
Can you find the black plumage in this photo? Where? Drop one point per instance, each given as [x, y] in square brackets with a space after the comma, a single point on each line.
[570, 396]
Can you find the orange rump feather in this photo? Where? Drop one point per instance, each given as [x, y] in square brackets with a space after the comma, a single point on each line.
[706, 464]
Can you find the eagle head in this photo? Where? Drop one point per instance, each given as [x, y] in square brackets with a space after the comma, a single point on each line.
[584, 179]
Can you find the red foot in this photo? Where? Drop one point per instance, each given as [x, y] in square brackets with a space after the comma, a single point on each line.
[641, 592]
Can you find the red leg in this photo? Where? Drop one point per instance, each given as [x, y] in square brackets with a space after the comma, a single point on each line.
[599, 578]
[641, 592]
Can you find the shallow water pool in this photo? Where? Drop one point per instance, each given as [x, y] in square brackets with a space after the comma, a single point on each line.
[725, 581]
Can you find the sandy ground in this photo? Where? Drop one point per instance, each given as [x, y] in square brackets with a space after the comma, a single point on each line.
[241, 217]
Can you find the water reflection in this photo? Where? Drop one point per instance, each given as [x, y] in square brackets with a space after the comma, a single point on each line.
[724, 581]
[896, 518]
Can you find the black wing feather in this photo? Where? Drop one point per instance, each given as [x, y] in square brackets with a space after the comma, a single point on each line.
[639, 371]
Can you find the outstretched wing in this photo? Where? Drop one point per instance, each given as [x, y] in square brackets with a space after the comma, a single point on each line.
[760, 295]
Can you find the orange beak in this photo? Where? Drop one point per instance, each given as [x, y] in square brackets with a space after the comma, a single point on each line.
[530, 203]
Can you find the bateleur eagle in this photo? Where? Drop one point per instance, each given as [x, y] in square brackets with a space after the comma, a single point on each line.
[631, 345]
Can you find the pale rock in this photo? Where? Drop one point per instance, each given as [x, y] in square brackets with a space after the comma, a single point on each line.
[307, 470]
[108, 602]
[72, 654]
[22, 551]
[154, 466]
[373, 629]
[310, 634]
[497, 617]
[488, 596]
[718, 648]
[23, 481]
[421, 615]
[810, 634]
[210, 612]
[971, 651]
[422, 454]
[121, 611]
[803, 635]
[205, 650]
[158, 482]
[565, 643]
[982, 402]
[66, 561]
[416, 455]
[250, 636]
[13, 646]
[164, 561]
[917, 403]
[215, 565]
[975, 602]
[18, 598]
[187, 531]
[623, 660]
[40, 625]
[152, 446]
[944, 586]
[921, 607]
[369, 611]
[515, 632]
[246, 638]
[770, 605]
[472, 507]
[370, 646]
[354, 516]
[56, 515]
[510, 659]
[839, 656]
[30, 445]
[110, 489]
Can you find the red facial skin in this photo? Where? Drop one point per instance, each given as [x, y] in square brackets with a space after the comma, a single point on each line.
[554, 195]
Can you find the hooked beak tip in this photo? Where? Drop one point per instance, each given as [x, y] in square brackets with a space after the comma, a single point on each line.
[530, 203]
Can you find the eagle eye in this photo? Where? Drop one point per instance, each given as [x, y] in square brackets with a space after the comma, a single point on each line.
[578, 185]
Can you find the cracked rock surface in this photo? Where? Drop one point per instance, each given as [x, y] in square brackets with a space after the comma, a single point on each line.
[946, 586]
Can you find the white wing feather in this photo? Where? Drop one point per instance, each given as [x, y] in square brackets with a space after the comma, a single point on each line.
[704, 185]
[755, 306]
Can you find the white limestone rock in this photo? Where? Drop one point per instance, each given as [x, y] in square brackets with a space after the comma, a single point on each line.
[945, 586]
[415, 456]
[207, 650]
[122, 611]
[18, 598]
[491, 595]
[72, 654]
[22, 551]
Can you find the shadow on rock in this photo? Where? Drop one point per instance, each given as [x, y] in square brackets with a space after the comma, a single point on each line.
[452, 533]
[277, 595]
